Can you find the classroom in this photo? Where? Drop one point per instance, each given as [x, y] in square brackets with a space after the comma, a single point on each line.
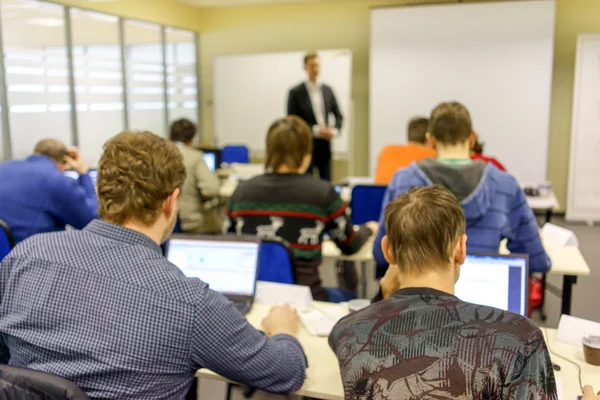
[301, 199]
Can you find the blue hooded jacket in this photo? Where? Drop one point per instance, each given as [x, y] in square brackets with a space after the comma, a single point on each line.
[493, 202]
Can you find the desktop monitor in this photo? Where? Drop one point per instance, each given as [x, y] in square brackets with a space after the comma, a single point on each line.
[229, 264]
[93, 173]
[211, 160]
[494, 280]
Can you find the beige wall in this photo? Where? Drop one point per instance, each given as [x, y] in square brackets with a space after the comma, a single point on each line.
[165, 12]
[572, 18]
[296, 27]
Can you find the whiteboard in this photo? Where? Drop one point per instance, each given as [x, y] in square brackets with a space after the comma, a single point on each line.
[583, 202]
[495, 58]
[251, 92]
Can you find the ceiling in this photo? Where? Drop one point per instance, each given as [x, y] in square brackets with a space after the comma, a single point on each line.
[229, 3]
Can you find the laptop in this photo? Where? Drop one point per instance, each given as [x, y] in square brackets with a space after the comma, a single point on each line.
[211, 160]
[93, 173]
[228, 264]
[500, 281]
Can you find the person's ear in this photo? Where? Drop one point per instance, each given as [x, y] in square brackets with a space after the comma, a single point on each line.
[460, 252]
[171, 203]
[429, 140]
[387, 252]
[472, 139]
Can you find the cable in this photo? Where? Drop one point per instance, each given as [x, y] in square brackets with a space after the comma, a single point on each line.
[564, 358]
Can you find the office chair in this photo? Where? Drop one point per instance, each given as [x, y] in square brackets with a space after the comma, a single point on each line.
[366, 203]
[7, 241]
[27, 384]
[235, 154]
[276, 262]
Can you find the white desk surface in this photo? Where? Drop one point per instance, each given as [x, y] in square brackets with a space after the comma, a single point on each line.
[565, 260]
[590, 375]
[323, 379]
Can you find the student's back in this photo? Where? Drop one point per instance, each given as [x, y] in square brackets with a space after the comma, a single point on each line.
[493, 202]
[35, 197]
[422, 343]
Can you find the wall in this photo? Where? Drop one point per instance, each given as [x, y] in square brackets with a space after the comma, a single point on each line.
[296, 27]
[165, 12]
[572, 18]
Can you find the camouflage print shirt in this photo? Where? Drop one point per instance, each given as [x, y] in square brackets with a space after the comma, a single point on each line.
[421, 343]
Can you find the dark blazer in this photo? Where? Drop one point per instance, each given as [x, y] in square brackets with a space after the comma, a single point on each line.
[299, 104]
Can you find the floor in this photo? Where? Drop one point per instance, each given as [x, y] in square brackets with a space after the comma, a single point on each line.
[586, 298]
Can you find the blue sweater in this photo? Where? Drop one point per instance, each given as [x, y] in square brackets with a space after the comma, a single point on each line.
[493, 202]
[35, 197]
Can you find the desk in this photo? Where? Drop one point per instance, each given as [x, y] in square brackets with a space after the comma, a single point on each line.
[566, 261]
[590, 375]
[323, 379]
[545, 205]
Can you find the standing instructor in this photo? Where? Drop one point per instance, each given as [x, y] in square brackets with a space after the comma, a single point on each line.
[313, 101]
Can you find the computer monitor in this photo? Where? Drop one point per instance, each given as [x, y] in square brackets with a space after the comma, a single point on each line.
[495, 280]
[93, 173]
[229, 264]
[211, 160]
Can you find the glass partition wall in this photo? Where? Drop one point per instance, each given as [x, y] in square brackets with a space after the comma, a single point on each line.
[82, 77]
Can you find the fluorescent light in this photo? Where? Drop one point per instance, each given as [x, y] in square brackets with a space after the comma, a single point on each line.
[106, 89]
[25, 88]
[24, 70]
[106, 106]
[29, 108]
[147, 90]
[59, 107]
[148, 106]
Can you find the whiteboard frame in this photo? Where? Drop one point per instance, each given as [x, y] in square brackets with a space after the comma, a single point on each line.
[574, 214]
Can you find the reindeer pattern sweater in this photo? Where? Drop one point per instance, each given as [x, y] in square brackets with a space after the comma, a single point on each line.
[299, 209]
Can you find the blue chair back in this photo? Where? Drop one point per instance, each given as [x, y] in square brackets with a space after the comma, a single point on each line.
[6, 240]
[276, 262]
[366, 203]
[235, 154]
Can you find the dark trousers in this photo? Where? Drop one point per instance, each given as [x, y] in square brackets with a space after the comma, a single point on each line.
[323, 164]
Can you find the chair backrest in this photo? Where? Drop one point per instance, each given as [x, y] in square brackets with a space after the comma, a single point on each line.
[235, 154]
[366, 203]
[6, 240]
[27, 384]
[276, 262]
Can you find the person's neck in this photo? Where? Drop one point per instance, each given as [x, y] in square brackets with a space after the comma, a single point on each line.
[459, 151]
[416, 143]
[442, 281]
[313, 80]
[154, 232]
[284, 169]
[189, 144]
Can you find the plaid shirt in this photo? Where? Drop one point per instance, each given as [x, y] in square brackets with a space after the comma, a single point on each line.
[103, 308]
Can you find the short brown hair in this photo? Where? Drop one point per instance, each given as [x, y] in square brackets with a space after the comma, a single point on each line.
[423, 226]
[51, 148]
[289, 140]
[450, 123]
[136, 173]
[310, 56]
[183, 130]
[417, 129]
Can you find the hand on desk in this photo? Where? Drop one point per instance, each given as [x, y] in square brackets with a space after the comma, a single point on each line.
[373, 226]
[281, 320]
[588, 394]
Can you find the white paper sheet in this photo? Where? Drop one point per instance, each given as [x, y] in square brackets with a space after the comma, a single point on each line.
[572, 329]
[277, 294]
[557, 236]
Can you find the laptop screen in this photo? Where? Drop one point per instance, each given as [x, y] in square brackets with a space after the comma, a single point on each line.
[93, 173]
[211, 160]
[228, 267]
[496, 281]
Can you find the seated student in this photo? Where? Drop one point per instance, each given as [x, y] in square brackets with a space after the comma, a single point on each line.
[35, 196]
[477, 152]
[299, 208]
[422, 342]
[493, 201]
[199, 211]
[104, 309]
[392, 158]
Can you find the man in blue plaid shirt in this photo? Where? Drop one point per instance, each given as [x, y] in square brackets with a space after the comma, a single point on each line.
[103, 308]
